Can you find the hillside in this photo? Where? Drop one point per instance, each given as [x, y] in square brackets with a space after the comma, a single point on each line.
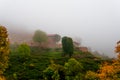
[32, 67]
[19, 35]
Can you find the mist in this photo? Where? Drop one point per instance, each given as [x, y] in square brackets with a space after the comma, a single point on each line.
[96, 22]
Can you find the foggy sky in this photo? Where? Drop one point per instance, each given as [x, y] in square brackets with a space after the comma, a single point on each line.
[96, 22]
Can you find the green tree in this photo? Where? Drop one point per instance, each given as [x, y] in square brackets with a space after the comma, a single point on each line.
[67, 44]
[23, 50]
[64, 45]
[54, 72]
[4, 49]
[73, 70]
[40, 37]
[70, 46]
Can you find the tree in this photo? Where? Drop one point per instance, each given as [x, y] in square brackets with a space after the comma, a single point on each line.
[70, 46]
[23, 50]
[67, 44]
[4, 49]
[116, 63]
[111, 71]
[64, 45]
[107, 71]
[73, 69]
[54, 72]
[40, 37]
[117, 49]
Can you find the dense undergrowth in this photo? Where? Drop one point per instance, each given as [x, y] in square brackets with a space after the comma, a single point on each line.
[32, 67]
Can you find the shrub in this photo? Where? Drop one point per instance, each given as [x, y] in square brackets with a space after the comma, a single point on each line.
[23, 50]
[54, 72]
[90, 75]
[73, 70]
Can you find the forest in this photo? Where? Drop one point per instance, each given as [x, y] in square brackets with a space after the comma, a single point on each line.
[25, 62]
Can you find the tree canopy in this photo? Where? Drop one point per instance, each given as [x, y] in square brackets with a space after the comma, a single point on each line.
[40, 36]
[117, 48]
[4, 49]
[67, 44]
[23, 50]
[73, 69]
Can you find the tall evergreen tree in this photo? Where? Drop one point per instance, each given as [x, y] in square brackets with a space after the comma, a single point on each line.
[70, 46]
[67, 44]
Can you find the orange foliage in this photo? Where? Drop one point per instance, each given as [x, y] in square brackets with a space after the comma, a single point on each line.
[106, 72]
[111, 71]
[117, 48]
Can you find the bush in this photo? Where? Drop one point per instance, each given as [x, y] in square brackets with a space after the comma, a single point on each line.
[54, 72]
[90, 75]
[73, 70]
[23, 50]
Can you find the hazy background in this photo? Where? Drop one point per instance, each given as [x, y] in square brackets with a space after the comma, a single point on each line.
[96, 22]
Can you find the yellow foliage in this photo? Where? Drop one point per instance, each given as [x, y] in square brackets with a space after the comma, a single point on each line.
[117, 48]
[4, 49]
[90, 75]
[109, 71]
[2, 78]
[106, 71]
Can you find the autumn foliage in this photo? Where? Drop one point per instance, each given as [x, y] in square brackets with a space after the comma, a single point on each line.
[107, 71]
[111, 71]
[24, 65]
[4, 50]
